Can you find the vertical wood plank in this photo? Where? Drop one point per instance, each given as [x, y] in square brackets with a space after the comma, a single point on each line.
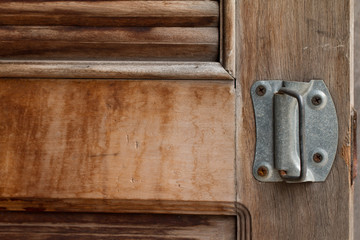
[357, 105]
[295, 41]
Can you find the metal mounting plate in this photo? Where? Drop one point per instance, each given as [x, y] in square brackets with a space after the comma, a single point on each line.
[278, 152]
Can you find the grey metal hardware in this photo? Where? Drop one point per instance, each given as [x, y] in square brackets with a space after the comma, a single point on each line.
[296, 131]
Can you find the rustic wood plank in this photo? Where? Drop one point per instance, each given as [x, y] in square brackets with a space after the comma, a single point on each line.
[298, 41]
[86, 226]
[93, 43]
[356, 182]
[117, 70]
[144, 140]
[111, 13]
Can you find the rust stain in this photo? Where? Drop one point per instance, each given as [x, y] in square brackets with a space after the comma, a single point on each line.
[346, 154]
[353, 145]
[349, 149]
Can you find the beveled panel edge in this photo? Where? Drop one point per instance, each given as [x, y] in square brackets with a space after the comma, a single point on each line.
[118, 206]
[114, 70]
[244, 231]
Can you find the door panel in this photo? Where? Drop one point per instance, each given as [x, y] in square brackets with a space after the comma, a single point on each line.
[117, 107]
[107, 139]
[82, 130]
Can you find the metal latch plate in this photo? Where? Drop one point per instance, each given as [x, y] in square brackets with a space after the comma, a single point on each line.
[282, 153]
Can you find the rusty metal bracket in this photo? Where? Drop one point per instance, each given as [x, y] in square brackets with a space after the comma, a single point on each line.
[296, 131]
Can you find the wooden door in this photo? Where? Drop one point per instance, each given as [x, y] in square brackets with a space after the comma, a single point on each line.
[133, 119]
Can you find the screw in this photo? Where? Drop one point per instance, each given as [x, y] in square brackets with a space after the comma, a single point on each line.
[317, 157]
[316, 100]
[260, 90]
[262, 171]
[283, 173]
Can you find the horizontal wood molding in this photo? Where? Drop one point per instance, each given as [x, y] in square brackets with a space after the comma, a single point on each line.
[145, 35]
[166, 13]
[114, 70]
[79, 43]
[44, 207]
[91, 226]
[110, 30]
[120, 206]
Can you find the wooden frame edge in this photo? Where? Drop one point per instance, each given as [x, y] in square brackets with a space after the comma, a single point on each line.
[114, 70]
[118, 206]
[243, 217]
[227, 35]
[243, 222]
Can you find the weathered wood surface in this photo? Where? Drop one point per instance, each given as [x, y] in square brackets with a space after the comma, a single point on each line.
[295, 41]
[146, 13]
[357, 105]
[228, 38]
[114, 69]
[89, 43]
[110, 30]
[122, 35]
[108, 139]
[86, 226]
[122, 206]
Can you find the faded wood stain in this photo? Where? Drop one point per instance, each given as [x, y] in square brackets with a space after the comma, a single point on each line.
[110, 30]
[117, 139]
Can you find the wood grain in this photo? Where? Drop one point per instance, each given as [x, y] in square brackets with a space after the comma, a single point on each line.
[228, 43]
[89, 43]
[120, 206]
[295, 41]
[110, 30]
[110, 34]
[106, 139]
[114, 69]
[86, 226]
[111, 13]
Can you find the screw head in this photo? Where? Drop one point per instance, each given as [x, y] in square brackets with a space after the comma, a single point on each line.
[318, 157]
[260, 90]
[263, 171]
[316, 100]
[282, 173]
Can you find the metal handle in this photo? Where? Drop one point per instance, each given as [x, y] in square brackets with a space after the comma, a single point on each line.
[296, 131]
[301, 107]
